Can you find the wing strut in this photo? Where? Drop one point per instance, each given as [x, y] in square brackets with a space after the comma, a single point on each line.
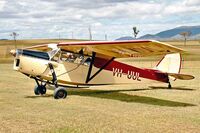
[89, 77]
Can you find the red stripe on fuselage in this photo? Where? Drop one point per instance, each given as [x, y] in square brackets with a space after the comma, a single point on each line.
[143, 73]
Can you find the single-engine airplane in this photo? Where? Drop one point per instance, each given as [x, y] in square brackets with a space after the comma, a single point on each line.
[87, 63]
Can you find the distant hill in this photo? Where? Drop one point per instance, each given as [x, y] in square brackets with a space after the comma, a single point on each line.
[175, 33]
[126, 38]
[172, 34]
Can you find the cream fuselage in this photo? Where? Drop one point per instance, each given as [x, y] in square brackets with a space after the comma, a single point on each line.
[74, 72]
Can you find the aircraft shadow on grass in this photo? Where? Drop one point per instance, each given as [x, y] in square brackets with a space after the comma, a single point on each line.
[118, 95]
[174, 88]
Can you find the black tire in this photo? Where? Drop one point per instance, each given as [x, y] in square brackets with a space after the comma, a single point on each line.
[43, 90]
[40, 90]
[36, 90]
[60, 93]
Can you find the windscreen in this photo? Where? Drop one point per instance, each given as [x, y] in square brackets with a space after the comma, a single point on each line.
[37, 54]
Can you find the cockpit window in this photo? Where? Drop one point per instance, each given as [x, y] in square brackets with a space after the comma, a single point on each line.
[67, 56]
[75, 58]
[53, 52]
[88, 61]
[56, 57]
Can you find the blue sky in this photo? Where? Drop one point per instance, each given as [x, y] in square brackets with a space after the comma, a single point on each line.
[50, 18]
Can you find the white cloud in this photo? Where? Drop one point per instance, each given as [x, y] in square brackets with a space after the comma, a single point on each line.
[48, 18]
[2, 3]
[192, 2]
[186, 7]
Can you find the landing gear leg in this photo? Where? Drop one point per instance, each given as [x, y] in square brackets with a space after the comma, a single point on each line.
[59, 92]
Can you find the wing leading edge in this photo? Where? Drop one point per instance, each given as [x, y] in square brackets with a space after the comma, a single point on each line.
[118, 49]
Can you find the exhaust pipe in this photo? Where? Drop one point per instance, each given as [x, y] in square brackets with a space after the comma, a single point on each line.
[13, 52]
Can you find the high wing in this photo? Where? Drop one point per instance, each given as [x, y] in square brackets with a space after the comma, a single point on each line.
[119, 49]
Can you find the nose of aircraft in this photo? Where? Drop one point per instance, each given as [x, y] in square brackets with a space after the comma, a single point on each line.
[13, 52]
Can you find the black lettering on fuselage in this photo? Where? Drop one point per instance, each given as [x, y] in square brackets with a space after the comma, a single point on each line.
[117, 72]
[133, 75]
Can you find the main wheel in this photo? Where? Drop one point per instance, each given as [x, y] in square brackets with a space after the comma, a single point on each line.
[60, 93]
[36, 90]
[40, 90]
[43, 90]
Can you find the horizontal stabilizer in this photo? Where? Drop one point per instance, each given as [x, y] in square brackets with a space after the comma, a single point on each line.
[181, 76]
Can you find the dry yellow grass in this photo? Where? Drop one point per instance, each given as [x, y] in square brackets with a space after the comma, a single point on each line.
[142, 107]
[130, 108]
[189, 42]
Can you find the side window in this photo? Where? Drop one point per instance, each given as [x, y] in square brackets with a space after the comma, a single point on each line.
[67, 56]
[75, 58]
[88, 61]
[56, 57]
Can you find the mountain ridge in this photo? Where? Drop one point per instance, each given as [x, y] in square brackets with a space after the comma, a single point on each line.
[170, 34]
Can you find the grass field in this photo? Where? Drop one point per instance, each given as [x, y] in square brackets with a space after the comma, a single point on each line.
[146, 107]
[131, 108]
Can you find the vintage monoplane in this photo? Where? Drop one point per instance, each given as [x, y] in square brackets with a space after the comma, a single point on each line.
[87, 63]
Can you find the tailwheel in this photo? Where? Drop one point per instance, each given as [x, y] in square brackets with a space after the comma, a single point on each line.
[40, 90]
[60, 93]
[169, 85]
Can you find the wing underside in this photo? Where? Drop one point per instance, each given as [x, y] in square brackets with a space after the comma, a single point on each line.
[118, 49]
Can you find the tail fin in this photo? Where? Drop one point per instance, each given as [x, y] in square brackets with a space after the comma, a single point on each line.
[170, 63]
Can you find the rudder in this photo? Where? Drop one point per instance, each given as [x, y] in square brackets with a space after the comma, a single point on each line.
[170, 63]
